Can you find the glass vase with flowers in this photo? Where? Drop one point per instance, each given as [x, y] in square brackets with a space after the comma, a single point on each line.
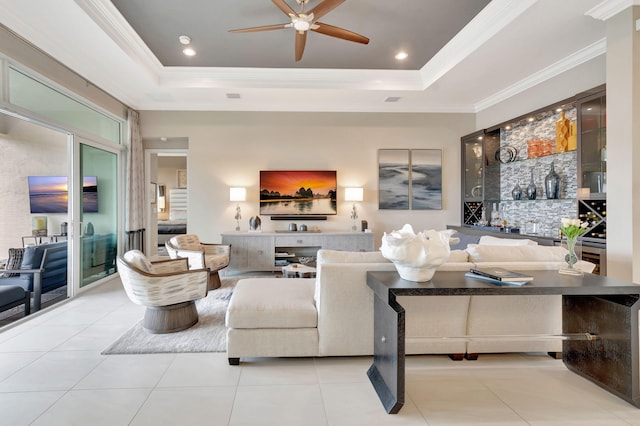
[571, 229]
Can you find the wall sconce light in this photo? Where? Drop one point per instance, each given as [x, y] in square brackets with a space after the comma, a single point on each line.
[354, 194]
[237, 194]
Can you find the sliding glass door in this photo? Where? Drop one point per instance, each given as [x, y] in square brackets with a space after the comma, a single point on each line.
[97, 209]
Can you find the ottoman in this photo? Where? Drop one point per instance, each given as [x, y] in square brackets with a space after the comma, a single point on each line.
[270, 317]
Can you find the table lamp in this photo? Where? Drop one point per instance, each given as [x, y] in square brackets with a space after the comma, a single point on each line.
[354, 194]
[237, 194]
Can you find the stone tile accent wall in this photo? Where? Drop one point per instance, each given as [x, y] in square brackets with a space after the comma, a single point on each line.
[546, 212]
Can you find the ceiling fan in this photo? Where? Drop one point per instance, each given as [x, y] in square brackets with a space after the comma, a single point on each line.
[303, 21]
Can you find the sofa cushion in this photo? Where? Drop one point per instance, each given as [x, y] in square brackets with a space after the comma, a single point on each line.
[336, 256]
[55, 274]
[273, 303]
[458, 256]
[11, 294]
[488, 253]
[495, 241]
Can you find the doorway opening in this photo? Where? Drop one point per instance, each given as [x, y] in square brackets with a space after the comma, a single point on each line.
[166, 170]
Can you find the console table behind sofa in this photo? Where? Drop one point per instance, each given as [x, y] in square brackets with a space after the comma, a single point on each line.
[605, 308]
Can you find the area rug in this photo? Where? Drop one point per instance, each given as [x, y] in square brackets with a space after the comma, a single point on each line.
[208, 335]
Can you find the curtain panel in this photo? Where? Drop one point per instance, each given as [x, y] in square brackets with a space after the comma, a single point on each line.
[135, 193]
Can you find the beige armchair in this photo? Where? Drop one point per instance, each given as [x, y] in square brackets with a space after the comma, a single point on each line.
[167, 288]
[201, 255]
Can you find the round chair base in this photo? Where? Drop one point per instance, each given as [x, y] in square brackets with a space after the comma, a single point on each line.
[214, 281]
[169, 319]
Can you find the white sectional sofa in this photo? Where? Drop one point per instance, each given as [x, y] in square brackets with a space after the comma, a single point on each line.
[332, 314]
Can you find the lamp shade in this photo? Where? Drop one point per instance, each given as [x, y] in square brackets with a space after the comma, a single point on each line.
[237, 194]
[354, 194]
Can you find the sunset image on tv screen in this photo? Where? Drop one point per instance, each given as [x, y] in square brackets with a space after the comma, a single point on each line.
[304, 192]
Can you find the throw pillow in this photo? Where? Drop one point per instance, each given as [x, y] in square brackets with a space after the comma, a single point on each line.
[14, 262]
[463, 241]
[139, 260]
[488, 253]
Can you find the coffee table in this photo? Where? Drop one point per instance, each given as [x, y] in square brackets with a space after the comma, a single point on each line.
[592, 306]
[297, 270]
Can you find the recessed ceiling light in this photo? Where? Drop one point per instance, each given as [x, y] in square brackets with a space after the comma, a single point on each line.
[402, 55]
[189, 51]
[184, 39]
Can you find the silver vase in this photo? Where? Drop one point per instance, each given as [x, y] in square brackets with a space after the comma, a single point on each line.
[532, 191]
[552, 184]
[516, 192]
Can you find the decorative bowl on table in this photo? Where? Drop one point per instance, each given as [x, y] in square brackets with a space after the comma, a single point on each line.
[304, 260]
[416, 256]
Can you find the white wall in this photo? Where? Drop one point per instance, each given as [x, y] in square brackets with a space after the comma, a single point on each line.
[623, 146]
[29, 150]
[566, 85]
[229, 149]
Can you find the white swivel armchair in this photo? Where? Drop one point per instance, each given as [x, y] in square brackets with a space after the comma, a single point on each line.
[201, 255]
[167, 288]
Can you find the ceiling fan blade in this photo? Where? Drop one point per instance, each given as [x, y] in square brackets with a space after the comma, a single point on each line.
[263, 28]
[338, 32]
[323, 8]
[284, 7]
[301, 41]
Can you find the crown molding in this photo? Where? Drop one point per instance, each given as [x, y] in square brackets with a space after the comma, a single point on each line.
[486, 24]
[610, 8]
[581, 56]
[271, 78]
[111, 21]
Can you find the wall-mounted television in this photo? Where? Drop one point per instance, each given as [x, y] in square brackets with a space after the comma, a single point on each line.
[298, 193]
[50, 194]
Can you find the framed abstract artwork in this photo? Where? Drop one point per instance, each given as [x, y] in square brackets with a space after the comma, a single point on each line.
[410, 179]
[426, 179]
[393, 179]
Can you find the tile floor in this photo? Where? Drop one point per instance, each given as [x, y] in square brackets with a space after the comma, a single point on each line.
[52, 373]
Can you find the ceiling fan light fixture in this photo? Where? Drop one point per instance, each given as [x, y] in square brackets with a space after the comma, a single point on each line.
[303, 22]
[301, 25]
